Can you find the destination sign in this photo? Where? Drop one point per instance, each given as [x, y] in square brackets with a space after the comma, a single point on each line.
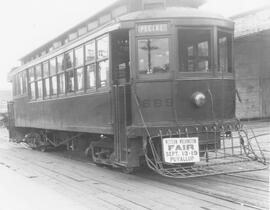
[181, 150]
[152, 28]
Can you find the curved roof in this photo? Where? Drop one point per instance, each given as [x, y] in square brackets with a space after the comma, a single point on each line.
[171, 12]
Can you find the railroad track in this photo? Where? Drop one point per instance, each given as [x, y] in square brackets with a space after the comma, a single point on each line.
[189, 185]
[77, 176]
[210, 193]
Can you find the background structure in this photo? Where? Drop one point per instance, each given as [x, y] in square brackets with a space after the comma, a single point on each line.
[252, 63]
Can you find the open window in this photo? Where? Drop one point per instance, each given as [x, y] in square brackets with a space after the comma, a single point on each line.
[195, 50]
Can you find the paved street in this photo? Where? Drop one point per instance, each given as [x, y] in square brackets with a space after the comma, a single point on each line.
[32, 180]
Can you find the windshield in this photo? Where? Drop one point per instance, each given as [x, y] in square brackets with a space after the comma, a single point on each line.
[153, 55]
[195, 50]
[224, 52]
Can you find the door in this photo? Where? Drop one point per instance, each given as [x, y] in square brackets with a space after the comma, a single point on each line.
[120, 93]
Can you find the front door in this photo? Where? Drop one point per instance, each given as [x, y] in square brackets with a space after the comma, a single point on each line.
[120, 92]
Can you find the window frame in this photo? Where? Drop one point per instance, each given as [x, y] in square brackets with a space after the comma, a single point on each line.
[30, 82]
[211, 50]
[155, 75]
[46, 77]
[97, 61]
[53, 75]
[89, 63]
[62, 71]
[77, 67]
[37, 81]
[231, 59]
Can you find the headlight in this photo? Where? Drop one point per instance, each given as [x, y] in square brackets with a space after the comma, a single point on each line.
[198, 99]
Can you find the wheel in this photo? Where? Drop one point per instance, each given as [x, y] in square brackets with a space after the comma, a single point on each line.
[43, 148]
[128, 170]
[88, 152]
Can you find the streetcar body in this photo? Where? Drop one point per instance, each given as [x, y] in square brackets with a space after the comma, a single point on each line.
[152, 73]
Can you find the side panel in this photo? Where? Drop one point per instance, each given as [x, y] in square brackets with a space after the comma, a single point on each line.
[85, 113]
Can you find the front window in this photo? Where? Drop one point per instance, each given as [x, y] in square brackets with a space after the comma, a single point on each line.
[224, 52]
[153, 55]
[195, 50]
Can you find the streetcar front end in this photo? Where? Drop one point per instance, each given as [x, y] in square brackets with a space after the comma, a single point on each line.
[183, 95]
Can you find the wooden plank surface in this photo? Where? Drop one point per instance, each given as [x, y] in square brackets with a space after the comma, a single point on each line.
[102, 188]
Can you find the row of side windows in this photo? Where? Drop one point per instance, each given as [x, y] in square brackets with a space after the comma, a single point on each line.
[83, 68]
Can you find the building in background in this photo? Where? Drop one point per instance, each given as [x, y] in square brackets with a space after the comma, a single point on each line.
[252, 63]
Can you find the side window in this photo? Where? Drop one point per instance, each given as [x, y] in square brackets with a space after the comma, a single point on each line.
[103, 70]
[194, 48]
[80, 79]
[102, 61]
[224, 52]
[68, 60]
[62, 83]
[20, 80]
[38, 79]
[153, 55]
[79, 71]
[79, 56]
[32, 84]
[70, 81]
[61, 74]
[53, 76]
[68, 64]
[91, 76]
[24, 81]
[90, 60]
[90, 52]
[60, 66]
[46, 79]
[14, 85]
[31, 74]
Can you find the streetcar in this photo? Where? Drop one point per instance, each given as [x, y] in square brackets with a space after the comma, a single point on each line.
[147, 82]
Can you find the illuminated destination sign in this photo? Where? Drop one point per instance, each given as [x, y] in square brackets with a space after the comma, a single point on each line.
[152, 28]
[181, 150]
